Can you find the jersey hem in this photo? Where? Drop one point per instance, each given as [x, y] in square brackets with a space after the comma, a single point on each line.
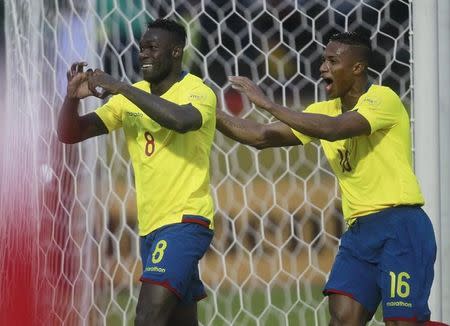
[196, 219]
[199, 219]
[350, 220]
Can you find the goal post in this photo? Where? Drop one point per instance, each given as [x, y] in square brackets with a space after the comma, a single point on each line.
[431, 120]
[278, 215]
[444, 154]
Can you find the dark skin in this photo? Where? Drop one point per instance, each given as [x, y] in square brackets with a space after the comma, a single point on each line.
[160, 56]
[344, 72]
[349, 84]
[165, 61]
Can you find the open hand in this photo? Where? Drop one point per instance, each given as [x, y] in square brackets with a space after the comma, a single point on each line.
[249, 88]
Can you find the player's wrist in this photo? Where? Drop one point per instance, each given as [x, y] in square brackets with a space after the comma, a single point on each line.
[121, 87]
[268, 105]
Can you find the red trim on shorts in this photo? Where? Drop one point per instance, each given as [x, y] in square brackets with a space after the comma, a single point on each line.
[415, 320]
[332, 291]
[192, 219]
[163, 284]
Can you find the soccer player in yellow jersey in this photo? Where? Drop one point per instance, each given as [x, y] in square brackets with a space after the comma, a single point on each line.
[169, 123]
[387, 253]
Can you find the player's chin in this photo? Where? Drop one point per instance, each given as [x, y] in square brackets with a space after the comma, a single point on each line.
[146, 75]
[332, 94]
[151, 77]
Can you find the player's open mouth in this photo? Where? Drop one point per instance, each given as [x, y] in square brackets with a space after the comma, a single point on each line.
[329, 84]
[147, 66]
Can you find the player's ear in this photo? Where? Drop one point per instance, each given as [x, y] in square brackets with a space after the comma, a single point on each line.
[359, 67]
[177, 51]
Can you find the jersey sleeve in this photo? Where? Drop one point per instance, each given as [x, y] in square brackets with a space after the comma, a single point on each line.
[204, 100]
[111, 112]
[381, 108]
[313, 108]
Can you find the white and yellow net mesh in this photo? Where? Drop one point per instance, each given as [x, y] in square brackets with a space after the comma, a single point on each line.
[278, 218]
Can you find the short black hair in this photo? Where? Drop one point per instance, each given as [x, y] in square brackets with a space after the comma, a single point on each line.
[356, 40]
[178, 30]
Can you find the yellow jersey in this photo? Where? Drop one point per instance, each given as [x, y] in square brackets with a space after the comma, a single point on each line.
[375, 171]
[171, 169]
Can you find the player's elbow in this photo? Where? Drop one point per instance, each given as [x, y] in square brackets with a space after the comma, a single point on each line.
[262, 139]
[335, 134]
[62, 137]
[183, 128]
[329, 133]
[66, 138]
[260, 146]
[185, 125]
[249, 140]
[254, 144]
[331, 136]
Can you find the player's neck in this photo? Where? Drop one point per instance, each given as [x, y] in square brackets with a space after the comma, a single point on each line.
[162, 86]
[349, 100]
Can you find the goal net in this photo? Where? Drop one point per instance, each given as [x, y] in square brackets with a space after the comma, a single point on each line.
[278, 213]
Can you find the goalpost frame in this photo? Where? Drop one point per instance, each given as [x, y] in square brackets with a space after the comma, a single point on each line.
[431, 107]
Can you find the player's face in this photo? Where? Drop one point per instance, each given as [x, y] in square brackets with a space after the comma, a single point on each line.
[156, 54]
[336, 69]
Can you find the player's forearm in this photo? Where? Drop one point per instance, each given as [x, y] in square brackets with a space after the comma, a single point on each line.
[314, 125]
[166, 113]
[244, 131]
[69, 129]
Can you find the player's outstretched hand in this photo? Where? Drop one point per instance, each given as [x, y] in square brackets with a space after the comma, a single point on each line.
[249, 88]
[77, 81]
[108, 84]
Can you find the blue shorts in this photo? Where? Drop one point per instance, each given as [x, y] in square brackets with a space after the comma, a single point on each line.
[170, 257]
[387, 256]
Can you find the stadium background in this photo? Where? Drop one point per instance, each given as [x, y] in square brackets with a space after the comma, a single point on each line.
[278, 215]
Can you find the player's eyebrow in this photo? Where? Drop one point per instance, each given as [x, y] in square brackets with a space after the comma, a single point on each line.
[147, 42]
[329, 56]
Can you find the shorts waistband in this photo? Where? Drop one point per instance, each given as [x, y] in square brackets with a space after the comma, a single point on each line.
[197, 219]
[355, 220]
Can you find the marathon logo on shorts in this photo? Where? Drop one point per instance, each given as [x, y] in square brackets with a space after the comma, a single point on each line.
[155, 269]
[399, 304]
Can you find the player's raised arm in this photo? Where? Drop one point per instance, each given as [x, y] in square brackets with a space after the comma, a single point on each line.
[181, 118]
[255, 134]
[346, 125]
[72, 127]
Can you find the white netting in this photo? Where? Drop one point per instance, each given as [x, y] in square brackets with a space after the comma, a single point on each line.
[278, 217]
